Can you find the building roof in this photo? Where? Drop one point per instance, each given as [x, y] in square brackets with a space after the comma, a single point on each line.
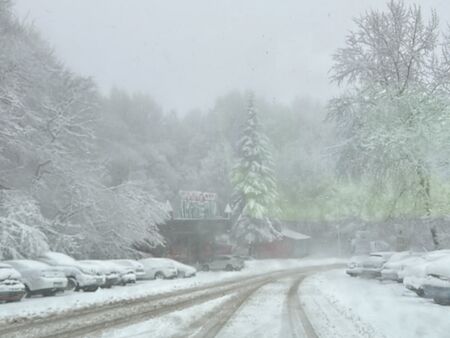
[289, 233]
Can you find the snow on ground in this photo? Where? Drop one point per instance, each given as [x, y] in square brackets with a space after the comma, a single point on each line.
[262, 315]
[170, 325]
[46, 306]
[340, 306]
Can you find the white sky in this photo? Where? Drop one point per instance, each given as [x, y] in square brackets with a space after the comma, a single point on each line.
[186, 53]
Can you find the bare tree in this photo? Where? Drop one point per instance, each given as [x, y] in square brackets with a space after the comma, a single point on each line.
[392, 115]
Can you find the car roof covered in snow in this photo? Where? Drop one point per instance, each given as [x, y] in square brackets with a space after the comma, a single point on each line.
[398, 256]
[5, 266]
[440, 267]
[58, 258]
[27, 264]
[158, 261]
[127, 262]
[8, 272]
[437, 254]
[383, 254]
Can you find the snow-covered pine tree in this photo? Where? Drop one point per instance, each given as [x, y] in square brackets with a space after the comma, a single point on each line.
[255, 192]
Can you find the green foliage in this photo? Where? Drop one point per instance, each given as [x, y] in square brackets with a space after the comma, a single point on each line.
[254, 185]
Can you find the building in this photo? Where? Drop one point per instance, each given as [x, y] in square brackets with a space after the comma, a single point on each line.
[198, 232]
[195, 240]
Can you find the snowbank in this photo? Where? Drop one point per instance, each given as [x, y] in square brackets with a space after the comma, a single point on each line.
[341, 306]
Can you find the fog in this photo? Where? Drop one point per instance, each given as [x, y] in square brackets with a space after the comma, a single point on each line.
[185, 54]
[202, 161]
[120, 117]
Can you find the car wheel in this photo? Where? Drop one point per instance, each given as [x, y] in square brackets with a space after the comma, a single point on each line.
[49, 293]
[91, 289]
[72, 284]
[181, 274]
[229, 267]
[205, 267]
[420, 292]
[159, 275]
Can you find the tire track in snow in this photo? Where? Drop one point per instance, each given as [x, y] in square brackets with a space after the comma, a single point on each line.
[262, 315]
[217, 320]
[299, 324]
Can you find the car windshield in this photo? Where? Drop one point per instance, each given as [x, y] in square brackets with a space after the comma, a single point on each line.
[225, 168]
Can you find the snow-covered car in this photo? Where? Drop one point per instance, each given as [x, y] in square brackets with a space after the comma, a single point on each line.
[184, 270]
[111, 272]
[414, 275]
[11, 287]
[437, 283]
[80, 276]
[137, 267]
[159, 268]
[127, 275]
[368, 266]
[244, 257]
[223, 262]
[392, 269]
[80, 279]
[39, 278]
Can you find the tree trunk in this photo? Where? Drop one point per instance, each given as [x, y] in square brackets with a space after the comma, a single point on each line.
[250, 249]
[424, 182]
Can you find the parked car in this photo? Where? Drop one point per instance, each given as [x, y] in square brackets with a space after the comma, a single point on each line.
[80, 276]
[392, 269]
[39, 278]
[111, 272]
[244, 257]
[223, 262]
[159, 268]
[184, 270]
[414, 275]
[368, 266]
[437, 283]
[127, 275]
[133, 264]
[11, 287]
[78, 279]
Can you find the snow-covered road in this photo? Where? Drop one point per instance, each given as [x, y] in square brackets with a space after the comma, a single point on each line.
[293, 298]
[211, 304]
[268, 308]
[36, 308]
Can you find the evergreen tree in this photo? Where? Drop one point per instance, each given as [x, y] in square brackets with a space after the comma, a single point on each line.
[255, 192]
